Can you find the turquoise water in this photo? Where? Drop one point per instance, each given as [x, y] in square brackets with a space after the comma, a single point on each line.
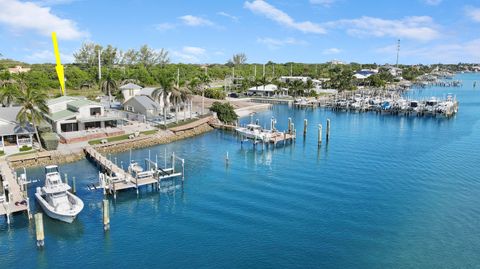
[386, 192]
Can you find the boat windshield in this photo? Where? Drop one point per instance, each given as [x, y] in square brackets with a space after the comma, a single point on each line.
[51, 169]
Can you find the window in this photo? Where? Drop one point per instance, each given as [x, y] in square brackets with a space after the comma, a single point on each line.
[95, 111]
[95, 124]
[130, 109]
[111, 123]
[69, 127]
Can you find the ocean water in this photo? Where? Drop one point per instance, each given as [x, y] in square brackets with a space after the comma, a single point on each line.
[385, 192]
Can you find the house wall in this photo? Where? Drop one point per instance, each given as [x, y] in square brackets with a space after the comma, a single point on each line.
[84, 111]
[127, 94]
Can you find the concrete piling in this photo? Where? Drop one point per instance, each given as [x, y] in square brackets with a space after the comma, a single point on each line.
[290, 125]
[106, 215]
[74, 187]
[305, 124]
[319, 135]
[39, 230]
[328, 130]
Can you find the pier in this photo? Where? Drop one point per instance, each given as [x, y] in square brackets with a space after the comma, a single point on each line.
[113, 178]
[13, 192]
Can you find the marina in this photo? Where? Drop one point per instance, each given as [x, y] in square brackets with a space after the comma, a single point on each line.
[260, 187]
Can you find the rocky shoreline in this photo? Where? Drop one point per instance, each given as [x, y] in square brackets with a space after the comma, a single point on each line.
[57, 157]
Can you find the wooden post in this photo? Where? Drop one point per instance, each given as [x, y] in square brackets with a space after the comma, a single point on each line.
[305, 123]
[74, 188]
[39, 230]
[319, 135]
[106, 215]
[328, 130]
[290, 125]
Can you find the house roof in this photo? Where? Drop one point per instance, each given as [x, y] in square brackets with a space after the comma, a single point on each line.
[81, 102]
[62, 99]
[10, 125]
[144, 101]
[147, 91]
[130, 86]
[62, 114]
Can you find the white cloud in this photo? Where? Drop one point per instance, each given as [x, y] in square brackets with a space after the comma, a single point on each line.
[30, 16]
[331, 51]
[263, 8]
[54, 2]
[165, 26]
[194, 50]
[420, 28]
[191, 20]
[443, 53]
[189, 54]
[273, 43]
[473, 13]
[46, 56]
[325, 3]
[225, 14]
[432, 2]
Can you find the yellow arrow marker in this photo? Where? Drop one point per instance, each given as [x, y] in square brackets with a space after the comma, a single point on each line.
[59, 67]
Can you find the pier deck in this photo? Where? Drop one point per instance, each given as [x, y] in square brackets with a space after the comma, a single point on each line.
[16, 197]
[119, 179]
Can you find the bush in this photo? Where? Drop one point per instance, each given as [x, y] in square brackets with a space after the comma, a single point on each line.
[215, 93]
[25, 148]
[44, 127]
[2, 153]
[225, 112]
[49, 140]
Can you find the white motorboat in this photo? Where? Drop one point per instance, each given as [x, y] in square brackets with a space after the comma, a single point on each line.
[255, 132]
[55, 198]
[134, 168]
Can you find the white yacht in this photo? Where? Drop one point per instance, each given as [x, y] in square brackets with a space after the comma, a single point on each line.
[255, 132]
[55, 199]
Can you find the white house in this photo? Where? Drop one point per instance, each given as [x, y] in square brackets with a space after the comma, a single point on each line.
[12, 134]
[72, 114]
[268, 90]
[129, 90]
[287, 79]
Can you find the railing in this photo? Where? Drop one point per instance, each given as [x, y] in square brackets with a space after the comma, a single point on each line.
[24, 141]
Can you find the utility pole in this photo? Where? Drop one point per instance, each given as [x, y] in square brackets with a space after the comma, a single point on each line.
[99, 65]
[291, 70]
[398, 52]
[255, 70]
[178, 77]
[263, 70]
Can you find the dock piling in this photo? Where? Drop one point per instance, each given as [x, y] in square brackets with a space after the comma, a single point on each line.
[290, 125]
[328, 130]
[39, 230]
[319, 135]
[305, 124]
[106, 215]
[74, 188]
[66, 178]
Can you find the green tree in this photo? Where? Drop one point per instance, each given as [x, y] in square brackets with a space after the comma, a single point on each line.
[225, 112]
[163, 93]
[205, 81]
[8, 92]
[238, 59]
[33, 107]
[109, 86]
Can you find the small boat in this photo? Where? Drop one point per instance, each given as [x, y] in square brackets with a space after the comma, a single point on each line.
[254, 132]
[135, 168]
[55, 198]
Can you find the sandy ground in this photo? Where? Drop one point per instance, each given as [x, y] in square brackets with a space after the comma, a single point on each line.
[243, 107]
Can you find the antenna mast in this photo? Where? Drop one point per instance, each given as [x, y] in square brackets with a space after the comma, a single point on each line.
[398, 52]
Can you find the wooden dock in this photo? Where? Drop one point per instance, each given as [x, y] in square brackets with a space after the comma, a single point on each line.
[14, 195]
[113, 178]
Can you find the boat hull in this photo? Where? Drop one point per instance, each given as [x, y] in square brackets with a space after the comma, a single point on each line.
[65, 217]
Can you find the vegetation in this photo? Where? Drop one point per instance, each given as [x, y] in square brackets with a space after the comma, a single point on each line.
[215, 93]
[225, 112]
[49, 140]
[25, 148]
[2, 153]
[119, 138]
[33, 106]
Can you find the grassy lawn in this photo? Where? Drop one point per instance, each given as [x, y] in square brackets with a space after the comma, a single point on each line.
[24, 153]
[118, 138]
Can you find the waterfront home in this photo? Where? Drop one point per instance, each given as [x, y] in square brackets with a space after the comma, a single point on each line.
[13, 134]
[143, 104]
[129, 90]
[269, 90]
[18, 69]
[365, 73]
[288, 79]
[78, 119]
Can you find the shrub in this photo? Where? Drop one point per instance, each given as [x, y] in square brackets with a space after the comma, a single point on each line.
[25, 148]
[49, 140]
[225, 112]
[215, 93]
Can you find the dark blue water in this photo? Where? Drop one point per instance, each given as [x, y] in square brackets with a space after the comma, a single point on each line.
[386, 192]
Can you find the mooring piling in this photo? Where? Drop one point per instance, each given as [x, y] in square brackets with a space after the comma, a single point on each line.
[319, 135]
[74, 187]
[328, 130]
[290, 125]
[106, 215]
[305, 124]
[39, 230]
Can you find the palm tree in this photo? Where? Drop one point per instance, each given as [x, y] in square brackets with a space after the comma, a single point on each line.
[109, 87]
[163, 93]
[185, 96]
[297, 87]
[205, 79]
[33, 103]
[309, 85]
[8, 92]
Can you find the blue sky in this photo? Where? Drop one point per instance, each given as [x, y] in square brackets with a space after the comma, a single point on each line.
[210, 31]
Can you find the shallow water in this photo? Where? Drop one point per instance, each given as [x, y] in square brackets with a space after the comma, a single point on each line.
[387, 191]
